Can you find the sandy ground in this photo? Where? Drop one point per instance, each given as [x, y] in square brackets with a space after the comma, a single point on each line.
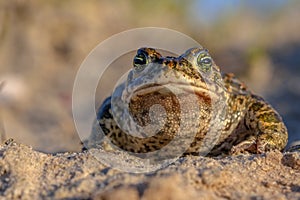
[28, 174]
[43, 44]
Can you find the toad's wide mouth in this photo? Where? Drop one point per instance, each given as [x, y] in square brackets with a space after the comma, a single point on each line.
[175, 89]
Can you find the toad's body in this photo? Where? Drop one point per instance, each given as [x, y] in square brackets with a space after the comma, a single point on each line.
[203, 103]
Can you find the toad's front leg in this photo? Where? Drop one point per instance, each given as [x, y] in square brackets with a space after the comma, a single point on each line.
[267, 128]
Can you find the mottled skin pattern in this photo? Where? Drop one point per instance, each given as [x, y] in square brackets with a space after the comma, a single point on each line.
[250, 124]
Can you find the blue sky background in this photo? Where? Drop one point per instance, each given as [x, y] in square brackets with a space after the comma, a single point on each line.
[209, 11]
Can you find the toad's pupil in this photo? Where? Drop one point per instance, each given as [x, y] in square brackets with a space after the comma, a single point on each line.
[206, 61]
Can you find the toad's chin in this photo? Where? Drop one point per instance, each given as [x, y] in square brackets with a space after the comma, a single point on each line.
[175, 89]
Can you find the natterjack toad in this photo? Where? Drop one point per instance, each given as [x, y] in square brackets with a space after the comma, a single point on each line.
[243, 121]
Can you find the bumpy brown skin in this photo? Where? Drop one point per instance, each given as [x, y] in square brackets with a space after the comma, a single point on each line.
[251, 125]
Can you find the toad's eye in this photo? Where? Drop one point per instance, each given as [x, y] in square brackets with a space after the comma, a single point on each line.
[139, 61]
[204, 61]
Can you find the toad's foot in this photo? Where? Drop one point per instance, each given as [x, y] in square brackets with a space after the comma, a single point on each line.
[269, 131]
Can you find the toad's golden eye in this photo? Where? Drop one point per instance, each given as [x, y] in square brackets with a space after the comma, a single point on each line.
[140, 60]
[204, 62]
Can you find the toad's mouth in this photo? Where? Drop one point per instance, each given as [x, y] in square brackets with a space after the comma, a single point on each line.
[175, 89]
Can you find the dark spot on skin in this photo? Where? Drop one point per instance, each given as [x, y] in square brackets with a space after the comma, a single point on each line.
[161, 142]
[152, 142]
[241, 101]
[119, 135]
[105, 170]
[147, 147]
[272, 127]
[257, 106]
[193, 144]
[105, 130]
[106, 115]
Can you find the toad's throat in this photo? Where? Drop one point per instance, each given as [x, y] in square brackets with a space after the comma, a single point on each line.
[179, 106]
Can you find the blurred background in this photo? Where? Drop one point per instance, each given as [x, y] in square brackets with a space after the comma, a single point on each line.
[43, 43]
